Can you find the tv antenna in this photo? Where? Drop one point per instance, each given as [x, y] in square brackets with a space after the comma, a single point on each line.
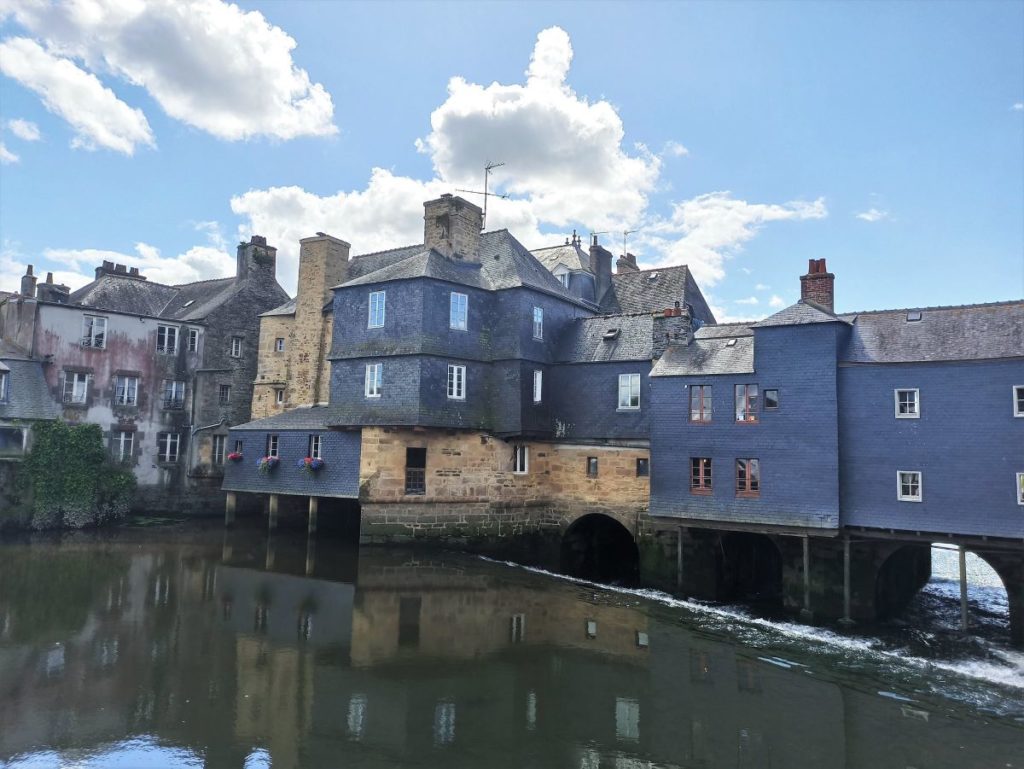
[626, 233]
[487, 175]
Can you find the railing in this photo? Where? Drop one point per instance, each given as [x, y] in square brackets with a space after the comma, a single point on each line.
[415, 480]
[98, 341]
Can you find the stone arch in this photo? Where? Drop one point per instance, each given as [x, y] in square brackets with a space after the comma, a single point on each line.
[904, 569]
[749, 567]
[598, 547]
[1009, 567]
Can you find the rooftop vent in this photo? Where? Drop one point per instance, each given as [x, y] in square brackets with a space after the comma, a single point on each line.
[190, 301]
[612, 333]
[913, 317]
[731, 343]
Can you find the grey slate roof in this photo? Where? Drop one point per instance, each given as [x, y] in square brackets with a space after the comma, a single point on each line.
[969, 332]
[646, 290]
[800, 314]
[707, 357]
[28, 397]
[288, 308]
[584, 342]
[118, 293]
[573, 257]
[301, 418]
[723, 330]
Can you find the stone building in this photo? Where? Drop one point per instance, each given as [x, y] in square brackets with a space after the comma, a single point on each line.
[165, 370]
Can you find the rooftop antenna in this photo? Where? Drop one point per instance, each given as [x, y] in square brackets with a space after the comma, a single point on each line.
[487, 174]
[593, 236]
[624, 234]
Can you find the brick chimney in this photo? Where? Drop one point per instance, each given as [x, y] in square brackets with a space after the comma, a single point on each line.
[256, 260]
[451, 226]
[601, 266]
[818, 285]
[626, 263]
[28, 283]
[671, 327]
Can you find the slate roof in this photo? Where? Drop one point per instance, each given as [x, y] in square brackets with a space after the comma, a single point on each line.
[584, 341]
[573, 257]
[968, 332]
[800, 314]
[28, 397]
[724, 330]
[707, 357]
[288, 308]
[301, 418]
[646, 290]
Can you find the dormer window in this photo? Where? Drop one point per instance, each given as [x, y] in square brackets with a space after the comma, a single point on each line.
[3, 386]
[564, 279]
[914, 317]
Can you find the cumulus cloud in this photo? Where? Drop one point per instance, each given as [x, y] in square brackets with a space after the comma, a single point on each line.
[6, 156]
[1018, 106]
[872, 215]
[776, 302]
[97, 116]
[748, 300]
[674, 149]
[205, 62]
[24, 130]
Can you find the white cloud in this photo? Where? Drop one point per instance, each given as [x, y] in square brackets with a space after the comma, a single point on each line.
[776, 301]
[761, 287]
[6, 156]
[674, 149]
[872, 215]
[97, 116]
[25, 130]
[748, 300]
[1018, 106]
[207, 63]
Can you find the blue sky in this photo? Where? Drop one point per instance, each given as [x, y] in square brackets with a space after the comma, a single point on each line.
[740, 138]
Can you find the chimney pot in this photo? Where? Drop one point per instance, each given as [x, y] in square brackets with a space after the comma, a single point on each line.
[49, 277]
[29, 270]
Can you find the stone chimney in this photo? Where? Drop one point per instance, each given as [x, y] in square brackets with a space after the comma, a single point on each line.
[670, 328]
[451, 226]
[601, 266]
[48, 291]
[818, 285]
[120, 270]
[323, 264]
[626, 263]
[256, 260]
[28, 283]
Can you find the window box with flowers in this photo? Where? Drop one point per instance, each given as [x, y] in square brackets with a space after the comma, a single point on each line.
[310, 465]
[235, 456]
[266, 465]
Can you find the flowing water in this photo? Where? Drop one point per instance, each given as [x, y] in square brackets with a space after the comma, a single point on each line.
[185, 646]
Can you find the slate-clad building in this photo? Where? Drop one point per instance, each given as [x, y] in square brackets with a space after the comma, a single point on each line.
[24, 398]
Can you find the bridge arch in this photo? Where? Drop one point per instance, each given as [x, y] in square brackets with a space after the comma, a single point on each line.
[749, 567]
[601, 548]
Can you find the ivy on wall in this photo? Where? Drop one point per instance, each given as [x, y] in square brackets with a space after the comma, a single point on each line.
[69, 479]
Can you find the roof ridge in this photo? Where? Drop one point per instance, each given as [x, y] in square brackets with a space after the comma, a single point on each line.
[386, 251]
[936, 307]
[652, 269]
[196, 282]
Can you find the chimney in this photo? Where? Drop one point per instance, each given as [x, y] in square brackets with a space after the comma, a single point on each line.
[601, 266]
[670, 328]
[52, 292]
[818, 285]
[626, 263]
[256, 260]
[323, 264]
[28, 283]
[451, 226]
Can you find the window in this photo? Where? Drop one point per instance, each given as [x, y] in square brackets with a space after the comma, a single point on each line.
[167, 447]
[193, 340]
[538, 323]
[457, 311]
[126, 390]
[279, 396]
[415, 471]
[315, 443]
[76, 387]
[746, 403]
[236, 347]
[520, 459]
[279, 344]
[564, 279]
[748, 478]
[3, 386]
[1018, 400]
[907, 404]
[771, 399]
[219, 442]
[122, 445]
[238, 447]
[167, 340]
[376, 319]
[224, 394]
[700, 475]
[94, 331]
[1020, 488]
[457, 383]
[643, 467]
[372, 385]
[272, 443]
[591, 467]
[174, 394]
[629, 391]
[700, 403]
[538, 385]
[908, 486]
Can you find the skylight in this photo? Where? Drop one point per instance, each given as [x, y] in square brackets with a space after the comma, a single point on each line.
[611, 333]
[913, 317]
[190, 301]
[731, 343]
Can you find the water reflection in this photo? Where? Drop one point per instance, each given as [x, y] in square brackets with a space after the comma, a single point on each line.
[232, 651]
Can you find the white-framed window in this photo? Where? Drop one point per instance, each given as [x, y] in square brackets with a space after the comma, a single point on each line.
[373, 381]
[458, 311]
[1018, 400]
[316, 447]
[224, 394]
[174, 394]
[126, 390]
[272, 444]
[167, 340]
[94, 331]
[457, 382]
[1020, 488]
[76, 387]
[907, 403]
[279, 396]
[538, 323]
[279, 344]
[122, 445]
[908, 485]
[629, 391]
[219, 444]
[167, 447]
[3, 386]
[376, 317]
[538, 385]
[520, 459]
[236, 347]
[193, 340]
[563, 279]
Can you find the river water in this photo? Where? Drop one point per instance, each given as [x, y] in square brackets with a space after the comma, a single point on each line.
[185, 646]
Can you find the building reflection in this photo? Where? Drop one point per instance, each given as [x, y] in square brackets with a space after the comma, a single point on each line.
[306, 657]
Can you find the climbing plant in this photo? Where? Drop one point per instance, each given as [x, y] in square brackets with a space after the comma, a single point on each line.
[70, 480]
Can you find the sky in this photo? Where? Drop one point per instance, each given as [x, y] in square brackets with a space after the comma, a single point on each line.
[739, 138]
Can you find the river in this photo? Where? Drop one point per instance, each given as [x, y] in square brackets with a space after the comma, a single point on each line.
[182, 645]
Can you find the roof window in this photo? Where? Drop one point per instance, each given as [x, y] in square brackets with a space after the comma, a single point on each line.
[612, 333]
[731, 342]
[652, 276]
[913, 317]
[190, 301]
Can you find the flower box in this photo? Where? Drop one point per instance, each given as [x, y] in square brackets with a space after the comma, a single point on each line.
[235, 456]
[310, 465]
[267, 464]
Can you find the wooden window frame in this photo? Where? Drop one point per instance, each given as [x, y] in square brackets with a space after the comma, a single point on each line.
[1018, 400]
[456, 382]
[373, 380]
[704, 407]
[702, 482]
[751, 414]
[520, 459]
[745, 486]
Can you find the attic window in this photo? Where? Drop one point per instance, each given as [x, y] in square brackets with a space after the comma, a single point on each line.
[731, 343]
[652, 276]
[612, 333]
[190, 301]
[913, 317]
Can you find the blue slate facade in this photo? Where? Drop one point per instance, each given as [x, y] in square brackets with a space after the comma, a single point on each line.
[585, 398]
[339, 477]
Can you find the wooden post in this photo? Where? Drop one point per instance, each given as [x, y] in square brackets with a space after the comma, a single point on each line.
[268, 564]
[805, 613]
[846, 619]
[679, 557]
[310, 555]
[313, 506]
[272, 514]
[229, 508]
[963, 589]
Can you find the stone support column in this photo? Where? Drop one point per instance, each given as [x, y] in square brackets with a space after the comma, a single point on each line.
[272, 512]
[313, 507]
[805, 613]
[230, 503]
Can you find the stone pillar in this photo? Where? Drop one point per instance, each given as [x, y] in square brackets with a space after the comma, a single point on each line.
[313, 506]
[963, 590]
[229, 508]
[310, 555]
[679, 557]
[272, 512]
[846, 619]
[269, 562]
